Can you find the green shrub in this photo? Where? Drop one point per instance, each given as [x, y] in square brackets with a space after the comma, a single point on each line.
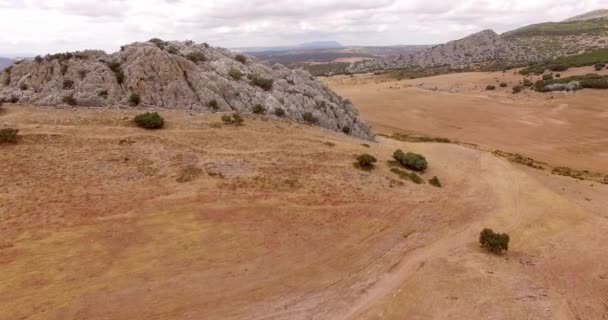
[241, 58]
[38, 59]
[558, 67]
[366, 161]
[117, 69]
[68, 84]
[149, 120]
[558, 75]
[134, 99]
[279, 112]
[346, 130]
[490, 87]
[517, 89]
[234, 119]
[308, 117]
[528, 83]
[435, 182]
[494, 242]
[69, 100]
[235, 73]
[503, 84]
[8, 135]
[196, 56]
[599, 66]
[263, 83]
[547, 77]
[405, 175]
[259, 109]
[213, 104]
[413, 161]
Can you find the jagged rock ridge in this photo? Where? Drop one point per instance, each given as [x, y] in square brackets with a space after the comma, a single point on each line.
[479, 49]
[178, 75]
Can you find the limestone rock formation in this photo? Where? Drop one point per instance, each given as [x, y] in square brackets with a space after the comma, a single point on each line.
[479, 49]
[178, 75]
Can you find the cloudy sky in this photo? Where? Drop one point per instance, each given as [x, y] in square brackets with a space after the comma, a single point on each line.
[42, 26]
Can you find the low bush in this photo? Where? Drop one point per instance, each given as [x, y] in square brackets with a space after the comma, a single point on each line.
[366, 161]
[493, 241]
[547, 77]
[405, 175]
[279, 112]
[103, 93]
[261, 82]
[149, 120]
[490, 87]
[528, 83]
[558, 75]
[435, 182]
[517, 89]
[68, 84]
[196, 56]
[259, 109]
[117, 70]
[8, 135]
[599, 66]
[38, 59]
[241, 58]
[70, 100]
[558, 67]
[235, 73]
[213, 104]
[346, 130]
[308, 117]
[172, 50]
[413, 161]
[234, 119]
[503, 84]
[134, 99]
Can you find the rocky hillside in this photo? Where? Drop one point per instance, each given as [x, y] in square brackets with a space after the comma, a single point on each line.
[178, 75]
[479, 49]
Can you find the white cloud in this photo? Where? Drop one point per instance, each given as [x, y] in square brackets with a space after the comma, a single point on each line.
[41, 26]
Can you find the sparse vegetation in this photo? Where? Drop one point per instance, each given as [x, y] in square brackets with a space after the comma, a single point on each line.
[196, 56]
[8, 135]
[241, 58]
[503, 84]
[547, 77]
[172, 50]
[490, 87]
[234, 119]
[493, 241]
[70, 100]
[259, 109]
[528, 83]
[308, 117]
[599, 66]
[405, 175]
[279, 112]
[149, 120]
[366, 161]
[117, 69]
[235, 73]
[590, 81]
[213, 104]
[592, 58]
[134, 99]
[38, 59]
[413, 161]
[435, 182]
[261, 82]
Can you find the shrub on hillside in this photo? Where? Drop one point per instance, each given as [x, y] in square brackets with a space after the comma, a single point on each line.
[517, 89]
[279, 112]
[117, 70]
[261, 82]
[308, 117]
[493, 241]
[259, 109]
[134, 99]
[213, 104]
[528, 83]
[149, 120]
[8, 135]
[547, 77]
[558, 67]
[68, 84]
[435, 182]
[196, 56]
[346, 130]
[103, 93]
[413, 161]
[38, 59]
[235, 73]
[490, 87]
[23, 86]
[82, 73]
[599, 66]
[240, 58]
[503, 84]
[70, 100]
[406, 175]
[366, 161]
[234, 119]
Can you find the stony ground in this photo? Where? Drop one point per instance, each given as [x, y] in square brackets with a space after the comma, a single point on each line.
[102, 220]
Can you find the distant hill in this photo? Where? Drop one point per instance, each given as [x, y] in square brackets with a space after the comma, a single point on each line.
[303, 46]
[5, 62]
[321, 45]
[595, 14]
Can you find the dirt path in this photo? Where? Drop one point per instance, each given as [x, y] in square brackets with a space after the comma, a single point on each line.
[415, 260]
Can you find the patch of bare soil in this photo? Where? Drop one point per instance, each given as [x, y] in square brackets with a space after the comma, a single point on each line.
[100, 219]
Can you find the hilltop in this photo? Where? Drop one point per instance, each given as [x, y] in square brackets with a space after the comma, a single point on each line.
[595, 14]
[177, 75]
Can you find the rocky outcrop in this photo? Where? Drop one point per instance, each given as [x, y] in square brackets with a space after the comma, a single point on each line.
[178, 75]
[479, 49]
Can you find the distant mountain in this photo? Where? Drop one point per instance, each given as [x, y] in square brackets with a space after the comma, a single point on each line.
[479, 49]
[321, 45]
[5, 62]
[595, 14]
